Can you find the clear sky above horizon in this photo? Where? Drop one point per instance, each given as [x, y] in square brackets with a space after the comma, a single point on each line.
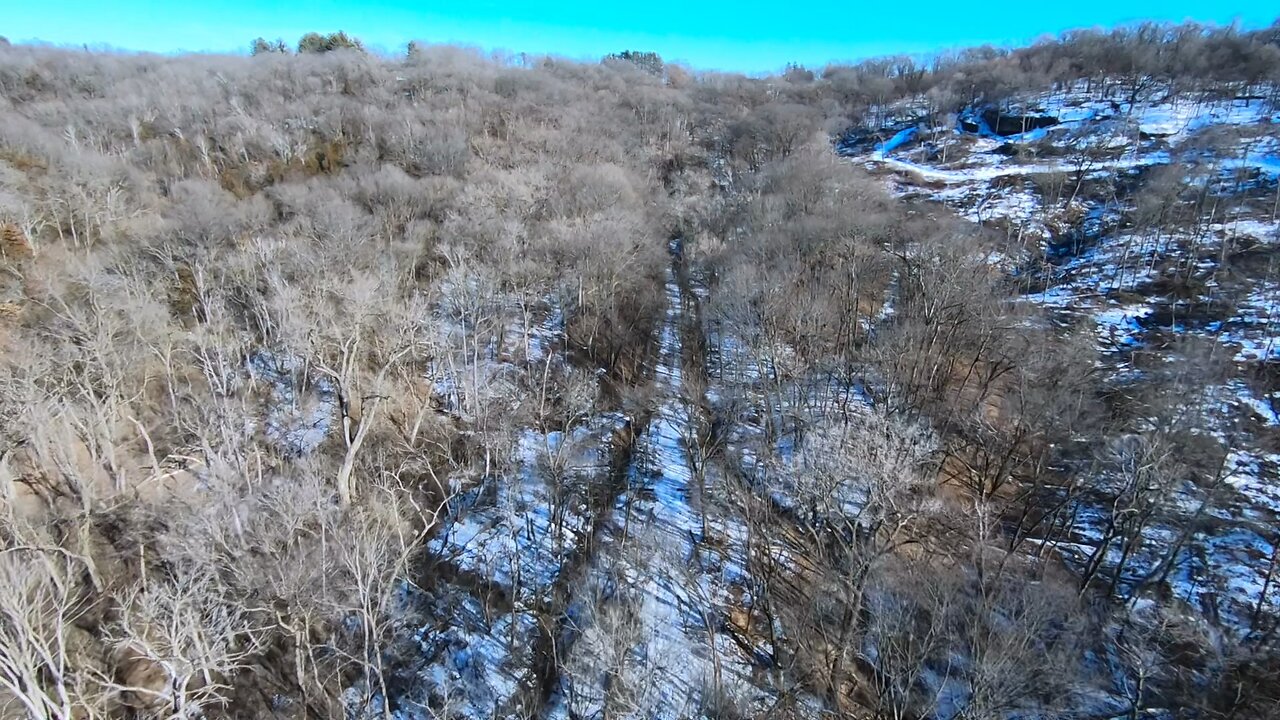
[745, 36]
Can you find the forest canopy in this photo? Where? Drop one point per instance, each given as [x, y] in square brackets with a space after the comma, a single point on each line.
[440, 383]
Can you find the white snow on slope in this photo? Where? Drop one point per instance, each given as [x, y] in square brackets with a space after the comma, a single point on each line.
[655, 593]
[1104, 276]
[302, 406]
[991, 173]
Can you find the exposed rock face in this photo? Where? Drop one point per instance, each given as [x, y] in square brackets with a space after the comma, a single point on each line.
[1003, 124]
[857, 140]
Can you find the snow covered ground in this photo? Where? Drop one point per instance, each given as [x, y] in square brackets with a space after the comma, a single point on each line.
[972, 175]
[583, 581]
[1092, 270]
[570, 587]
[651, 609]
[301, 406]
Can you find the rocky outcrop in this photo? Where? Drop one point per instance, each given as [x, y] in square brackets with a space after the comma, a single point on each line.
[991, 120]
[1004, 125]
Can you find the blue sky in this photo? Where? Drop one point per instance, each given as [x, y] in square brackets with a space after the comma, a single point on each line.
[745, 36]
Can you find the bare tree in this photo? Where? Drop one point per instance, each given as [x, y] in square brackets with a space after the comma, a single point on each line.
[40, 602]
[863, 487]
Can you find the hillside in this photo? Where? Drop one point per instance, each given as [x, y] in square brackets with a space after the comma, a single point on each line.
[1152, 224]
[450, 386]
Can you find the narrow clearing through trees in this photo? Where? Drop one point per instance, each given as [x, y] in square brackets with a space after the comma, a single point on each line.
[644, 621]
[602, 586]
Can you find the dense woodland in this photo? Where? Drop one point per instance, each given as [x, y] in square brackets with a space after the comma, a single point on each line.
[271, 325]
